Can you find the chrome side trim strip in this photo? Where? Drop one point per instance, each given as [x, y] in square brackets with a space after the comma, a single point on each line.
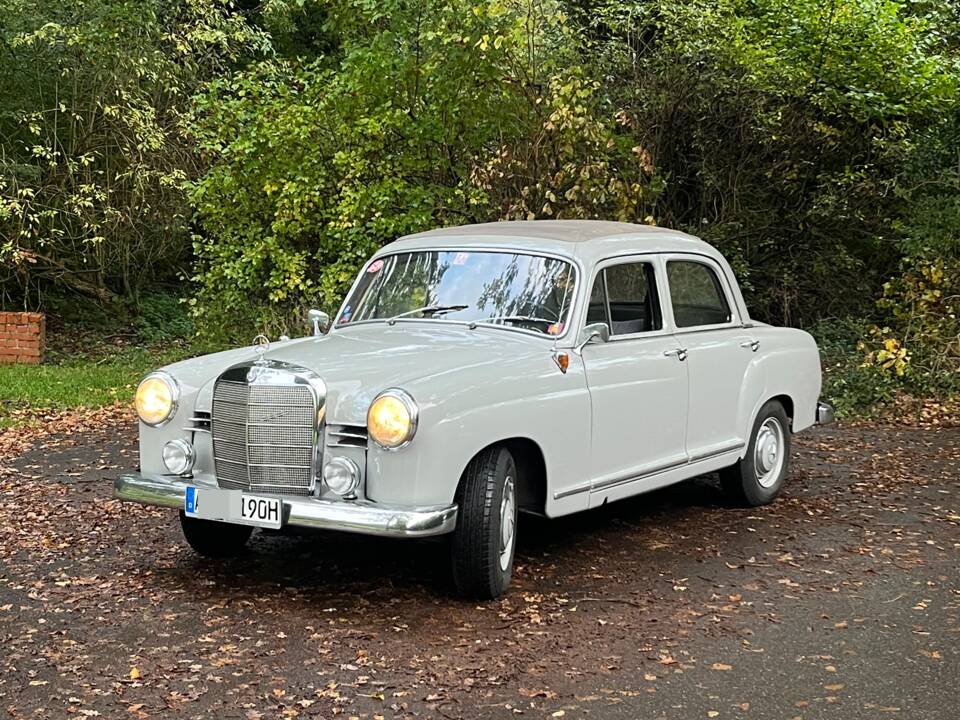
[729, 447]
[615, 482]
[575, 490]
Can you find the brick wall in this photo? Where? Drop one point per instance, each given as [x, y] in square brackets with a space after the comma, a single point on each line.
[22, 337]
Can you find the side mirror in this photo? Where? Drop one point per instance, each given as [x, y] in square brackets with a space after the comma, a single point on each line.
[592, 332]
[320, 321]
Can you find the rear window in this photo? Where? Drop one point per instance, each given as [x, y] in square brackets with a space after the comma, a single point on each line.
[696, 294]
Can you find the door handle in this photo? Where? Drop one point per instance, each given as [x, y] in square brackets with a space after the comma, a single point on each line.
[752, 344]
[681, 353]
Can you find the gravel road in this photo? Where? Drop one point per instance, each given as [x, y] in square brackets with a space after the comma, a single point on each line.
[841, 600]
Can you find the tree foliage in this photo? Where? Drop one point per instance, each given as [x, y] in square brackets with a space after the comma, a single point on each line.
[94, 159]
[424, 115]
[813, 141]
[780, 131]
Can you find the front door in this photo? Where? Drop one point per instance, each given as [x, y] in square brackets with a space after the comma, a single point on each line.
[718, 348]
[637, 381]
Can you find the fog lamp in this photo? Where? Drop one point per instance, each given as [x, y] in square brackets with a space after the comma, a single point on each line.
[342, 476]
[178, 456]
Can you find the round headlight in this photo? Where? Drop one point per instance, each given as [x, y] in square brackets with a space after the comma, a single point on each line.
[157, 396]
[342, 476]
[178, 456]
[392, 419]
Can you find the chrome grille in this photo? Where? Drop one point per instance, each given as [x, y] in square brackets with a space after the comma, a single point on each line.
[264, 434]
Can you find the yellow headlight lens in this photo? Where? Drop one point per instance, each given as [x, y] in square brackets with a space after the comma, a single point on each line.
[392, 419]
[156, 398]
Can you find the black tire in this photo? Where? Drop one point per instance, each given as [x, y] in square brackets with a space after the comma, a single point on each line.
[478, 570]
[756, 480]
[214, 539]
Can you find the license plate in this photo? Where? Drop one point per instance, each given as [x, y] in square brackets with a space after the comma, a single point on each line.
[233, 506]
[265, 512]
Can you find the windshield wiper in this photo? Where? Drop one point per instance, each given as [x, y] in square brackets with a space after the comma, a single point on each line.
[428, 310]
[513, 318]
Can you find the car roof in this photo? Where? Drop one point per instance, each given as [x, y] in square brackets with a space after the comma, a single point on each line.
[586, 240]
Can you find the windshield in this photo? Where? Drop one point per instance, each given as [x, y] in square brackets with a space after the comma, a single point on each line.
[503, 288]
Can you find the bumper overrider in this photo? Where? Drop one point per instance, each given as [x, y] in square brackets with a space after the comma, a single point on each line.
[825, 414]
[356, 516]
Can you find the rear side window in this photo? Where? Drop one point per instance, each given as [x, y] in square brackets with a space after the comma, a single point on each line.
[625, 297]
[696, 294]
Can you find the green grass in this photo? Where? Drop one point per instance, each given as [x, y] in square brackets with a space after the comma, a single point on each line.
[78, 382]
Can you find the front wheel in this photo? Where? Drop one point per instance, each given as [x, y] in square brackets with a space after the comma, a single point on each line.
[484, 541]
[214, 539]
[757, 479]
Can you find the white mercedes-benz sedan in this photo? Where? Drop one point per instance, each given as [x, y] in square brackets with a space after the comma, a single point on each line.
[474, 372]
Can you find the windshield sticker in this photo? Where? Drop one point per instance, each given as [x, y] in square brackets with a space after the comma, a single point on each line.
[461, 258]
[345, 315]
[375, 266]
[555, 329]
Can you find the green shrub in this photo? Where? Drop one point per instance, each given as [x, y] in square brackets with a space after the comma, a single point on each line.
[444, 114]
[162, 317]
[850, 385]
[92, 153]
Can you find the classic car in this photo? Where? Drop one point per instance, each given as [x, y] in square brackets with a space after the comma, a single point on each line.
[473, 372]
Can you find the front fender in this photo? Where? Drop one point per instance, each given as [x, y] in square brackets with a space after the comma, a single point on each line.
[530, 399]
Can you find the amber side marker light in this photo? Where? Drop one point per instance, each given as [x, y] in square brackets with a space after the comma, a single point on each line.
[563, 361]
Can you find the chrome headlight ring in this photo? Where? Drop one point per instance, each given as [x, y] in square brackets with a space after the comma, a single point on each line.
[413, 413]
[174, 387]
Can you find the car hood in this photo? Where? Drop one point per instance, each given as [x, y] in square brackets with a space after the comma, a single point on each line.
[357, 363]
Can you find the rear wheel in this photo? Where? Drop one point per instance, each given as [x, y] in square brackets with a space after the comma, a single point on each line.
[757, 479]
[214, 539]
[483, 545]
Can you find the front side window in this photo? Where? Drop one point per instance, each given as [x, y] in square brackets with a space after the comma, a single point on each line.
[625, 297]
[696, 294]
[525, 291]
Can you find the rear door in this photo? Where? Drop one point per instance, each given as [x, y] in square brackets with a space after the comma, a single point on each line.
[637, 383]
[718, 350]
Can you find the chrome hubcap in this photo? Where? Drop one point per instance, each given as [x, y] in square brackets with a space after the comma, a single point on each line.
[768, 452]
[508, 522]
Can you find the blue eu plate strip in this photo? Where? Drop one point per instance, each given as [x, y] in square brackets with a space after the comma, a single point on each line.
[190, 505]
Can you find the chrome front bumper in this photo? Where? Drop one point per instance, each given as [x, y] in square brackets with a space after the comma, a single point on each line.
[824, 414]
[356, 516]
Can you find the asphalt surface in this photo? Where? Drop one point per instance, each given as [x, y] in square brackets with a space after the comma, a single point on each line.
[841, 600]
